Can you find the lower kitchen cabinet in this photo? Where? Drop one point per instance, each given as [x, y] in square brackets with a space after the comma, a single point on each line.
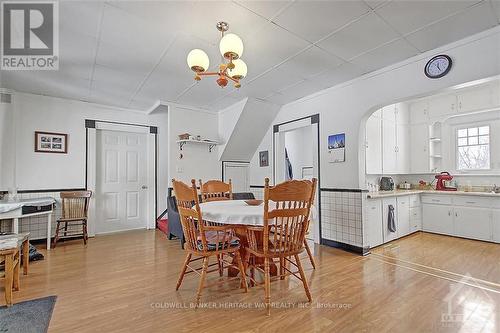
[374, 223]
[438, 219]
[389, 235]
[472, 222]
[403, 216]
[415, 219]
[496, 225]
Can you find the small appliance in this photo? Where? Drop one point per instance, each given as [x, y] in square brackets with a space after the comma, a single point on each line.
[386, 184]
[442, 179]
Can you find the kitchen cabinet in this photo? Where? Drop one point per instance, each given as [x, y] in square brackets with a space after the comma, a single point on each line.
[472, 222]
[419, 112]
[387, 234]
[374, 145]
[415, 219]
[373, 224]
[403, 213]
[389, 149]
[443, 106]
[437, 218]
[395, 140]
[476, 99]
[496, 225]
[419, 151]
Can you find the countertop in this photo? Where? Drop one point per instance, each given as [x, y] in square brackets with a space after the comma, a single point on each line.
[397, 193]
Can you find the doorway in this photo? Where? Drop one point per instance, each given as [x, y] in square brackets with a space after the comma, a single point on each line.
[121, 181]
[296, 156]
[238, 172]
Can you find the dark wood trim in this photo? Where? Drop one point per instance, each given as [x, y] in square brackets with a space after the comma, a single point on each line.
[37, 150]
[93, 122]
[256, 186]
[89, 123]
[314, 120]
[344, 246]
[355, 190]
[153, 129]
[52, 190]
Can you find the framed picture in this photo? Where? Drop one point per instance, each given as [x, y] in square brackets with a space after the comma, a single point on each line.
[264, 158]
[47, 142]
[336, 148]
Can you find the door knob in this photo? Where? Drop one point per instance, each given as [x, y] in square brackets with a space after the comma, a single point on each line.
[144, 187]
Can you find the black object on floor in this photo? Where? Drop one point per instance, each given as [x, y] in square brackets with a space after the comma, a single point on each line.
[34, 254]
[27, 317]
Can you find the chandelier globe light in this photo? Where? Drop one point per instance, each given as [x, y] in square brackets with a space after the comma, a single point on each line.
[198, 60]
[232, 67]
[231, 47]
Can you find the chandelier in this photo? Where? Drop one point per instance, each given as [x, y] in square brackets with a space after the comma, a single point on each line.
[232, 68]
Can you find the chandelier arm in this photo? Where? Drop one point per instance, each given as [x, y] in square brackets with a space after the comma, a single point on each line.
[230, 78]
[208, 73]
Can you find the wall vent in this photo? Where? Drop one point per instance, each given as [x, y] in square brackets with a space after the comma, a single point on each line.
[5, 98]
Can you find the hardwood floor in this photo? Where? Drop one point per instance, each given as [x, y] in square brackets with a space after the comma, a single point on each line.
[126, 282]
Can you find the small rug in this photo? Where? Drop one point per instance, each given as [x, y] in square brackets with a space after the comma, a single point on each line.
[27, 317]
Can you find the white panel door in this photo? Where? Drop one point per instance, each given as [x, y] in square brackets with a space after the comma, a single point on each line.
[419, 145]
[374, 231]
[121, 181]
[238, 173]
[403, 216]
[438, 219]
[389, 147]
[389, 235]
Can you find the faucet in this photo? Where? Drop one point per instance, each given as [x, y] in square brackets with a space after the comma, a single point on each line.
[495, 188]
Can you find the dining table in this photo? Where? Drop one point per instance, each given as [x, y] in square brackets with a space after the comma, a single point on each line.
[240, 215]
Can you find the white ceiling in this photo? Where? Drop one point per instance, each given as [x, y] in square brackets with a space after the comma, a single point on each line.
[133, 53]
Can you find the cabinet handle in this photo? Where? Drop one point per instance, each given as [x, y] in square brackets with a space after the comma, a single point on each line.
[470, 202]
[449, 213]
[456, 214]
[436, 200]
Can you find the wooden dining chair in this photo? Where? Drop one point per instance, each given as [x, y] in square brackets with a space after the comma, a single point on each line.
[12, 261]
[75, 207]
[286, 220]
[203, 240]
[214, 190]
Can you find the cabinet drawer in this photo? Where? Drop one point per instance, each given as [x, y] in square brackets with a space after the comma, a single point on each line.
[472, 201]
[415, 200]
[437, 199]
[495, 203]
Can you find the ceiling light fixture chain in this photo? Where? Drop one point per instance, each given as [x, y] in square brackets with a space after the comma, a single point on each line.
[231, 49]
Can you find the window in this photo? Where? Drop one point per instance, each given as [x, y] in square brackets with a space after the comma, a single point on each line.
[473, 148]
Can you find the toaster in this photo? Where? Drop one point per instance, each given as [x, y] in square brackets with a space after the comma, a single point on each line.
[386, 184]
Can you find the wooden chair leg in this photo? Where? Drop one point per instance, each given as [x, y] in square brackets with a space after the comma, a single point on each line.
[9, 275]
[243, 275]
[303, 278]
[282, 268]
[219, 264]
[183, 270]
[65, 229]
[85, 235]
[309, 253]
[15, 278]
[26, 256]
[202, 280]
[56, 236]
[267, 285]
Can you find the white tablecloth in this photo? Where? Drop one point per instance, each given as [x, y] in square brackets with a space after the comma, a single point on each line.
[7, 206]
[235, 212]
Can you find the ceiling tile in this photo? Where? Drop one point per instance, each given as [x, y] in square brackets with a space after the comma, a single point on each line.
[314, 20]
[469, 22]
[222, 103]
[267, 9]
[367, 33]
[203, 93]
[127, 81]
[385, 55]
[270, 46]
[376, 3]
[279, 99]
[302, 89]
[311, 62]
[76, 47]
[80, 16]
[408, 16]
[496, 8]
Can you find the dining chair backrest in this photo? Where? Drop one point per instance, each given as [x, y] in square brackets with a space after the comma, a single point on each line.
[286, 214]
[75, 204]
[190, 213]
[216, 190]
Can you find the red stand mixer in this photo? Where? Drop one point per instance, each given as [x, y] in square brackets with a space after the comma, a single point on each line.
[441, 179]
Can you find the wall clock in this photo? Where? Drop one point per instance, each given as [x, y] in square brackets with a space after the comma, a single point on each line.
[438, 66]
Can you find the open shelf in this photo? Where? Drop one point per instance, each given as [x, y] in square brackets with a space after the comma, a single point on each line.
[211, 144]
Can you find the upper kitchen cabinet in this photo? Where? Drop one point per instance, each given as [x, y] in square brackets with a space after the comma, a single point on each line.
[442, 107]
[374, 144]
[478, 98]
[419, 112]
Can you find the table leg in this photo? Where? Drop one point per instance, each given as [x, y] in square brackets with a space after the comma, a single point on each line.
[15, 226]
[9, 275]
[15, 278]
[49, 229]
[26, 256]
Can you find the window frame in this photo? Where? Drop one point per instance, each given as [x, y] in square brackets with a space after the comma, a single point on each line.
[456, 147]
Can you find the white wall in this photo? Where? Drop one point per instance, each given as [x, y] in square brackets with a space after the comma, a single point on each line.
[197, 162]
[299, 145]
[38, 171]
[344, 108]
